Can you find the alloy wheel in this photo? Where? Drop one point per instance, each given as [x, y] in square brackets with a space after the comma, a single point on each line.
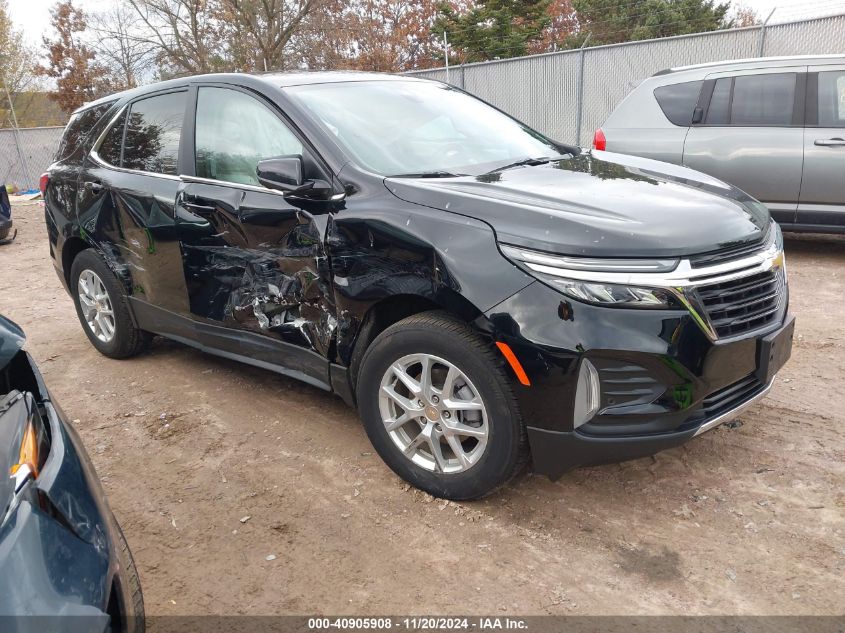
[433, 413]
[96, 305]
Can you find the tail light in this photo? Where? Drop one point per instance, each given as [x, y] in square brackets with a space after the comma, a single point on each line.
[599, 141]
[42, 184]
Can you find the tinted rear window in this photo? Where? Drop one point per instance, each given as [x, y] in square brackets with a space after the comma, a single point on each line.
[763, 99]
[750, 100]
[78, 129]
[153, 131]
[719, 111]
[832, 98]
[109, 149]
[678, 101]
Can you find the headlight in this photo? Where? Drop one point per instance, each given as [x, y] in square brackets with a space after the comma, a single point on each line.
[609, 294]
[559, 272]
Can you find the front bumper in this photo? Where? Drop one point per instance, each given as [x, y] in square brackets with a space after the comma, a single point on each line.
[556, 452]
[663, 380]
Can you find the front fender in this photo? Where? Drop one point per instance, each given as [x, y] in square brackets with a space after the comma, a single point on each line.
[448, 260]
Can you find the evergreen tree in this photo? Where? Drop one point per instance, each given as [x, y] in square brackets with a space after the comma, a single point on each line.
[493, 29]
[613, 21]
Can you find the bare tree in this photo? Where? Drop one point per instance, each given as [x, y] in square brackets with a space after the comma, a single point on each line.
[262, 29]
[377, 35]
[187, 34]
[122, 43]
[17, 59]
[744, 16]
[70, 62]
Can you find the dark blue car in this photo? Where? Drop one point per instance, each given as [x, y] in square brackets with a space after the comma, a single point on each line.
[5, 216]
[64, 562]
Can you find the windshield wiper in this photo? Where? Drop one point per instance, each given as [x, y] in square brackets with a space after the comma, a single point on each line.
[428, 174]
[542, 160]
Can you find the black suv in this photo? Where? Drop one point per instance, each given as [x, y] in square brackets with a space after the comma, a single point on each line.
[480, 292]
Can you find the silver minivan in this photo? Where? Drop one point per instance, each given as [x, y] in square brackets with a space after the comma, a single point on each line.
[774, 127]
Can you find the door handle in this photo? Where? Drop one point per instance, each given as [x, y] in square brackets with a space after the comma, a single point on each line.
[196, 205]
[93, 186]
[830, 142]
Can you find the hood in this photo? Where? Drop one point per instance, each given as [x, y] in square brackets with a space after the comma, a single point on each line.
[12, 339]
[600, 204]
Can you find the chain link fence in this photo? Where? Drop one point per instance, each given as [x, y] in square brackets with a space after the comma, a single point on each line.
[567, 95]
[25, 154]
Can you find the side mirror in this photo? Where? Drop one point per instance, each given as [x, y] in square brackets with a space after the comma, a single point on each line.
[285, 174]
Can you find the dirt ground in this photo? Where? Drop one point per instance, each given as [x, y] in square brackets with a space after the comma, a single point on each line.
[211, 466]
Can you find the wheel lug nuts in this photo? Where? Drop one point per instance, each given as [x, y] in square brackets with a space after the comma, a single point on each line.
[446, 414]
[435, 399]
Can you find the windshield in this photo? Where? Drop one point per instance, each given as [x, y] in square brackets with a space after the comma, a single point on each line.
[419, 127]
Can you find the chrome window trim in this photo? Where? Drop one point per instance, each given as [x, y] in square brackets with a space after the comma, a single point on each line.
[97, 159]
[226, 183]
[257, 188]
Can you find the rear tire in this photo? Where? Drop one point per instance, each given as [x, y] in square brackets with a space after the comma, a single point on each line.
[459, 434]
[103, 308]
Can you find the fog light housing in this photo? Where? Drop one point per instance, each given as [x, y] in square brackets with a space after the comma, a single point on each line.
[587, 394]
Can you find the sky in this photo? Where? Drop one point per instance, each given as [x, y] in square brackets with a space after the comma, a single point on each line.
[33, 16]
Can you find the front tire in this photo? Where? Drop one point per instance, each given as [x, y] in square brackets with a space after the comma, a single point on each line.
[439, 408]
[103, 308]
[132, 615]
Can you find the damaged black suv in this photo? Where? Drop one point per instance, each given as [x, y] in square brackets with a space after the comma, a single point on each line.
[481, 293]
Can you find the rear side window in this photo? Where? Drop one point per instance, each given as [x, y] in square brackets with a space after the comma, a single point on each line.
[753, 100]
[78, 129]
[719, 112]
[678, 101]
[832, 98]
[109, 149]
[153, 132]
[763, 99]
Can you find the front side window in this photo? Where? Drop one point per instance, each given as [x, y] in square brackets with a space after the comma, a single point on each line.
[153, 131]
[763, 99]
[410, 127]
[234, 132]
[678, 101]
[832, 98]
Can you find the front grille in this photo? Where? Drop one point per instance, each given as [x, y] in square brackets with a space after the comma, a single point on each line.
[743, 305]
[724, 400]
